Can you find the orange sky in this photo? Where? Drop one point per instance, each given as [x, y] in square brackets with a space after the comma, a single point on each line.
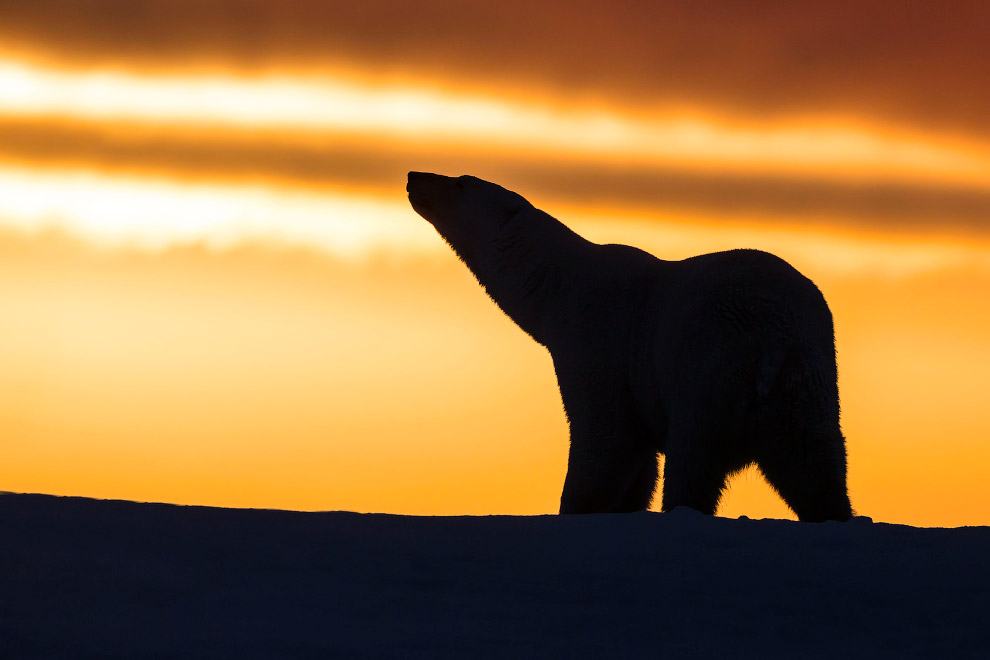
[214, 291]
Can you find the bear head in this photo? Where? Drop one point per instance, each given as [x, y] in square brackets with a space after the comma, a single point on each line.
[469, 213]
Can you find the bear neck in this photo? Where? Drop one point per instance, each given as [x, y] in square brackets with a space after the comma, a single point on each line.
[531, 259]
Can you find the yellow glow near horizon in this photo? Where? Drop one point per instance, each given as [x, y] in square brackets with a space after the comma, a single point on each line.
[433, 115]
[268, 378]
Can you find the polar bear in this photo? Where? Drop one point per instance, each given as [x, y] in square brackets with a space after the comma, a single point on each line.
[718, 361]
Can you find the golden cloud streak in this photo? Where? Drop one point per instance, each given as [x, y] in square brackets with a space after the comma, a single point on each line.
[434, 116]
[157, 213]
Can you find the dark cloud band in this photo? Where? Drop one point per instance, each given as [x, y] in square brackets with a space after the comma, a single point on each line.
[918, 63]
[314, 162]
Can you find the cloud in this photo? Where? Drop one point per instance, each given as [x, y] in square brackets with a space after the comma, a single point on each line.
[882, 62]
[915, 64]
[378, 168]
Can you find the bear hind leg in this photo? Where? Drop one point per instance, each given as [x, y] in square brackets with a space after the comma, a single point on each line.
[809, 473]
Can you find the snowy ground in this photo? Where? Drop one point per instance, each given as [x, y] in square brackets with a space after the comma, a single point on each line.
[104, 579]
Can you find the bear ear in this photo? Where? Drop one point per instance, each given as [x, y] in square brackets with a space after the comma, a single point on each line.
[466, 180]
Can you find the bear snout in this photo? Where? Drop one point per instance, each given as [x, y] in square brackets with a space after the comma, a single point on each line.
[427, 191]
[413, 180]
[425, 181]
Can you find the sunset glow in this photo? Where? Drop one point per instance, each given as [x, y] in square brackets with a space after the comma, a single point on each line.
[158, 213]
[155, 214]
[214, 290]
[307, 104]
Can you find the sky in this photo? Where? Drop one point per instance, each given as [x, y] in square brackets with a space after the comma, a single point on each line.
[214, 291]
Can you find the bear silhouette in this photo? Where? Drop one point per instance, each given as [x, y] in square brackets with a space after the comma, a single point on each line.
[717, 361]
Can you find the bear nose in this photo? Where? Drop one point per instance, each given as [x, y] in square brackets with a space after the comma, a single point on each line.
[419, 178]
[416, 177]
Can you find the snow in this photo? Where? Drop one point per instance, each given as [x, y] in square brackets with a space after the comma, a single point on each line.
[89, 578]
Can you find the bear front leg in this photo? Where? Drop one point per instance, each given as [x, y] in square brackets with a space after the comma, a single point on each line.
[696, 464]
[608, 474]
[691, 482]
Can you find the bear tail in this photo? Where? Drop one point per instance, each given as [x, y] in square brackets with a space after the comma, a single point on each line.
[769, 365]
